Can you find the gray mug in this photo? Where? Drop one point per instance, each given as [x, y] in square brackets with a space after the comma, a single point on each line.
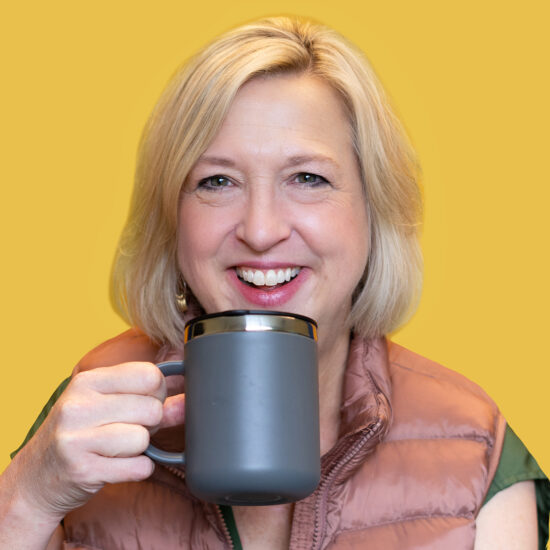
[251, 408]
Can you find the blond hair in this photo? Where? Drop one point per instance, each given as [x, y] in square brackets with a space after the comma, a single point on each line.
[186, 119]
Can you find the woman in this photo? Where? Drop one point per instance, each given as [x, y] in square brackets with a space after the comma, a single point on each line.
[272, 174]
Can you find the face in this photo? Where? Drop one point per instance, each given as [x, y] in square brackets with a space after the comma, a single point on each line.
[272, 215]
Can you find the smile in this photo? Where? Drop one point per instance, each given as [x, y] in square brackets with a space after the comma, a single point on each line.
[270, 277]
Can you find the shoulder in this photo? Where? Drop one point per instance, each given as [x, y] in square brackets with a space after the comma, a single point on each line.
[131, 345]
[430, 398]
[405, 363]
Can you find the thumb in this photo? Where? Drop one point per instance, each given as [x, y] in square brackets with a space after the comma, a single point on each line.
[173, 411]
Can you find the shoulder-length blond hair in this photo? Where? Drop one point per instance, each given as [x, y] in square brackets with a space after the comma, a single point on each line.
[186, 119]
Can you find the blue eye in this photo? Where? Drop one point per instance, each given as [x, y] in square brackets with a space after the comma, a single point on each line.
[307, 178]
[214, 182]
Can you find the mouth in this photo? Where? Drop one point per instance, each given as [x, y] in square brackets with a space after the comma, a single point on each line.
[269, 278]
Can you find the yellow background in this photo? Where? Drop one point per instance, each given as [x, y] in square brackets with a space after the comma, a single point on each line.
[470, 81]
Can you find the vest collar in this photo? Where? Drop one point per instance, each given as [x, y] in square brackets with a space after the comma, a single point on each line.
[366, 410]
[366, 377]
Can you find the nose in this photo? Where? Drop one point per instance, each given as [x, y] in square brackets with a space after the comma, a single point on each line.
[263, 222]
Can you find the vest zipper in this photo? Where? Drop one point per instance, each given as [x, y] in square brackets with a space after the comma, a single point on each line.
[225, 529]
[176, 471]
[319, 529]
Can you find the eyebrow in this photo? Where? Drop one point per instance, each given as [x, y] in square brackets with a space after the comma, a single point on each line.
[294, 160]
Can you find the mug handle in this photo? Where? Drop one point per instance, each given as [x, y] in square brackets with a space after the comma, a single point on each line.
[168, 368]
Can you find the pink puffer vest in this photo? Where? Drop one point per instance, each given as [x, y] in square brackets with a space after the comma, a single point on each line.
[418, 448]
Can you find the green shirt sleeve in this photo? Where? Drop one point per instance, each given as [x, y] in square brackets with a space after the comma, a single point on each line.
[42, 416]
[517, 464]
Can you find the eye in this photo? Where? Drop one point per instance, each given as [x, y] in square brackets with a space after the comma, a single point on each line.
[308, 179]
[214, 182]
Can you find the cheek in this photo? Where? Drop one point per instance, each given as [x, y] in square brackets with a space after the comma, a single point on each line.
[347, 228]
[201, 233]
[340, 240]
[352, 236]
[189, 241]
[355, 251]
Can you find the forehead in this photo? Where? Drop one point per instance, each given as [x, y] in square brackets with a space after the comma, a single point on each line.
[289, 100]
[297, 110]
[304, 91]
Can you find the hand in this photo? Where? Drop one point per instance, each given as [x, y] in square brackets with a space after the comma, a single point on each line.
[95, 434]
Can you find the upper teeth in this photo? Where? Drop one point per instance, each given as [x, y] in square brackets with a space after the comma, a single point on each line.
[271, 277]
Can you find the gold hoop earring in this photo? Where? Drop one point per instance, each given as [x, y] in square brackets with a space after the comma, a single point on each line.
[181, 295]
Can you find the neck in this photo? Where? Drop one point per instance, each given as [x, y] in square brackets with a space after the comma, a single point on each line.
[333, 356]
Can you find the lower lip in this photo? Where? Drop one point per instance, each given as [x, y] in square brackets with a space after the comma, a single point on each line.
[278, 296]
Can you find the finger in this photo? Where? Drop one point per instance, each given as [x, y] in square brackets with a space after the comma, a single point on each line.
[121, 470]
[130, 409]
[173, 411]
[118, 440]
[91, 410]
[136, 377]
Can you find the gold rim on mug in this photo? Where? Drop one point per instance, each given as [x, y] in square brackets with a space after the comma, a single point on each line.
[250, 321]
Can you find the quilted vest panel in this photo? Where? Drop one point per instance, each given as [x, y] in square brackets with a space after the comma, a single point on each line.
[424, 484]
